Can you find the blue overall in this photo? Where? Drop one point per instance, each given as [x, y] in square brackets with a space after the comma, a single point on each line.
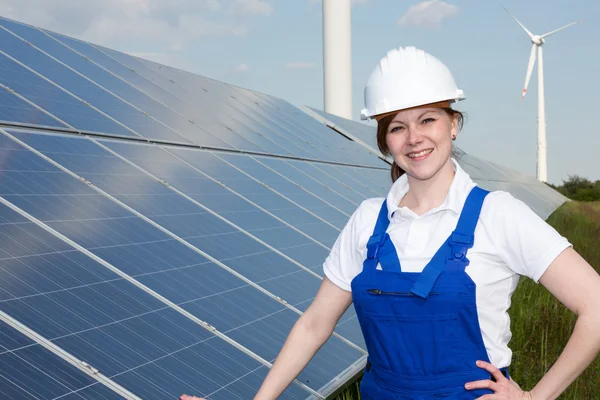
[421, 329]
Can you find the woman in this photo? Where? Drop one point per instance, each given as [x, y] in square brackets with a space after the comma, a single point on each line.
[431, 268]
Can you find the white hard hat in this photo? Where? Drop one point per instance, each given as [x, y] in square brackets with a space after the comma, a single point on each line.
[408, 77]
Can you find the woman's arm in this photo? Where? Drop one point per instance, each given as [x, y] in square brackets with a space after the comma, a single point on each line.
[577, 285]
[307, 336]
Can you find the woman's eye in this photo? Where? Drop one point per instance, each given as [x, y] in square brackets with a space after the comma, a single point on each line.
[396, 129]
[428, 120]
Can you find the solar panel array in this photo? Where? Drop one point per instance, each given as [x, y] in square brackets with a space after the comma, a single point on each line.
[161, 232]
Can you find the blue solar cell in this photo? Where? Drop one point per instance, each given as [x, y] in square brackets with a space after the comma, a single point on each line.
[351, 177]
[377, 181]
[312, 185]
[14, 110]
[336, 182]
[116, 85]
[84, 89]
[291, 190]
[54, 100]
[28, 370]
[160, 261]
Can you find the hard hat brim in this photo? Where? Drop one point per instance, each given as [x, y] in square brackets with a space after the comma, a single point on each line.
[367, 114]
[437, 104]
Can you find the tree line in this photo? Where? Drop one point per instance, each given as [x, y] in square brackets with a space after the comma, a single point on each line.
[578, 188]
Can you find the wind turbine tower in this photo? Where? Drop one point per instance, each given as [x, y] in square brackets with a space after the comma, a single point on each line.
[537, 42]
[337, 57]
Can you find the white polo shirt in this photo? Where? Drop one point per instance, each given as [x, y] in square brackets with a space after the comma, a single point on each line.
[510, 240]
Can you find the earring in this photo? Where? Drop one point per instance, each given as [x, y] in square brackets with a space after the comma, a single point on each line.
[453, 137]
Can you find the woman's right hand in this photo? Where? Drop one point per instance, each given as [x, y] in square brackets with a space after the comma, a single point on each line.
[186, 397]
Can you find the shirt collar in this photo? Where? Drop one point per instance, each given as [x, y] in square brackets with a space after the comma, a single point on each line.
[457, 194]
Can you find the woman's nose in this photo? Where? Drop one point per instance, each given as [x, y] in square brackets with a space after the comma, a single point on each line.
[414, 135]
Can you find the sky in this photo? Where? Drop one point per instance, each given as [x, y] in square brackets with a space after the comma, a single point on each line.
[276, 47]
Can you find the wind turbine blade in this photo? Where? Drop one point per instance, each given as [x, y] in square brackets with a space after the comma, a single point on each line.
[559, 29]
[520, 24]
[529, 68]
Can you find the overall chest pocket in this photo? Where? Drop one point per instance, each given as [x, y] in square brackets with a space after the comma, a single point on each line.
[413, 342]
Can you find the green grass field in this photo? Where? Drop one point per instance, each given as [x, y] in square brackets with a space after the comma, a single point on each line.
[540, 324]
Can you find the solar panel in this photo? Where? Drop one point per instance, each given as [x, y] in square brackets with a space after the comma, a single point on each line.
[161, 262]
[270, 117]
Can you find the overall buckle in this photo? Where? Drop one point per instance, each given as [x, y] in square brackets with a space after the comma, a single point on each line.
[460, 244]
[373, 245]
[462, 239]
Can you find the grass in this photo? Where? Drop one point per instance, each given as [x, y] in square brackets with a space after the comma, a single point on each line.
[540, 324]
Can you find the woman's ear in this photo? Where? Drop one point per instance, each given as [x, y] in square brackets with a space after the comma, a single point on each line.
[454, 129]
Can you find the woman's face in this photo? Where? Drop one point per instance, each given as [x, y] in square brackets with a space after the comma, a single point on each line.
[420, 140]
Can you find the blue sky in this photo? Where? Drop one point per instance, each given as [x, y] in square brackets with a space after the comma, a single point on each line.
[275, 47]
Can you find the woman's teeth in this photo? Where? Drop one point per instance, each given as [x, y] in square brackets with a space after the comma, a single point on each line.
[420, 154]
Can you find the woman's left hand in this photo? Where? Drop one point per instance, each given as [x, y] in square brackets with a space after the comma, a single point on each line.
[504, 389]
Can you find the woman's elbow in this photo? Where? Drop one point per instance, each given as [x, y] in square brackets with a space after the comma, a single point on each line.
[320, 329]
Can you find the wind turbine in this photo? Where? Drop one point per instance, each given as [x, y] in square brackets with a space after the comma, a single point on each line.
[537, 42]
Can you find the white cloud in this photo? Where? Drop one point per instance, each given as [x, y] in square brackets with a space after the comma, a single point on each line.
[138, 25]
[429, 13]
[300, 65]
[255, 7]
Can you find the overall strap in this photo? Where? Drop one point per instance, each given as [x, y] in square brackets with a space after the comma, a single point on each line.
[463, 237]
[380, 248]
[457, 245]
